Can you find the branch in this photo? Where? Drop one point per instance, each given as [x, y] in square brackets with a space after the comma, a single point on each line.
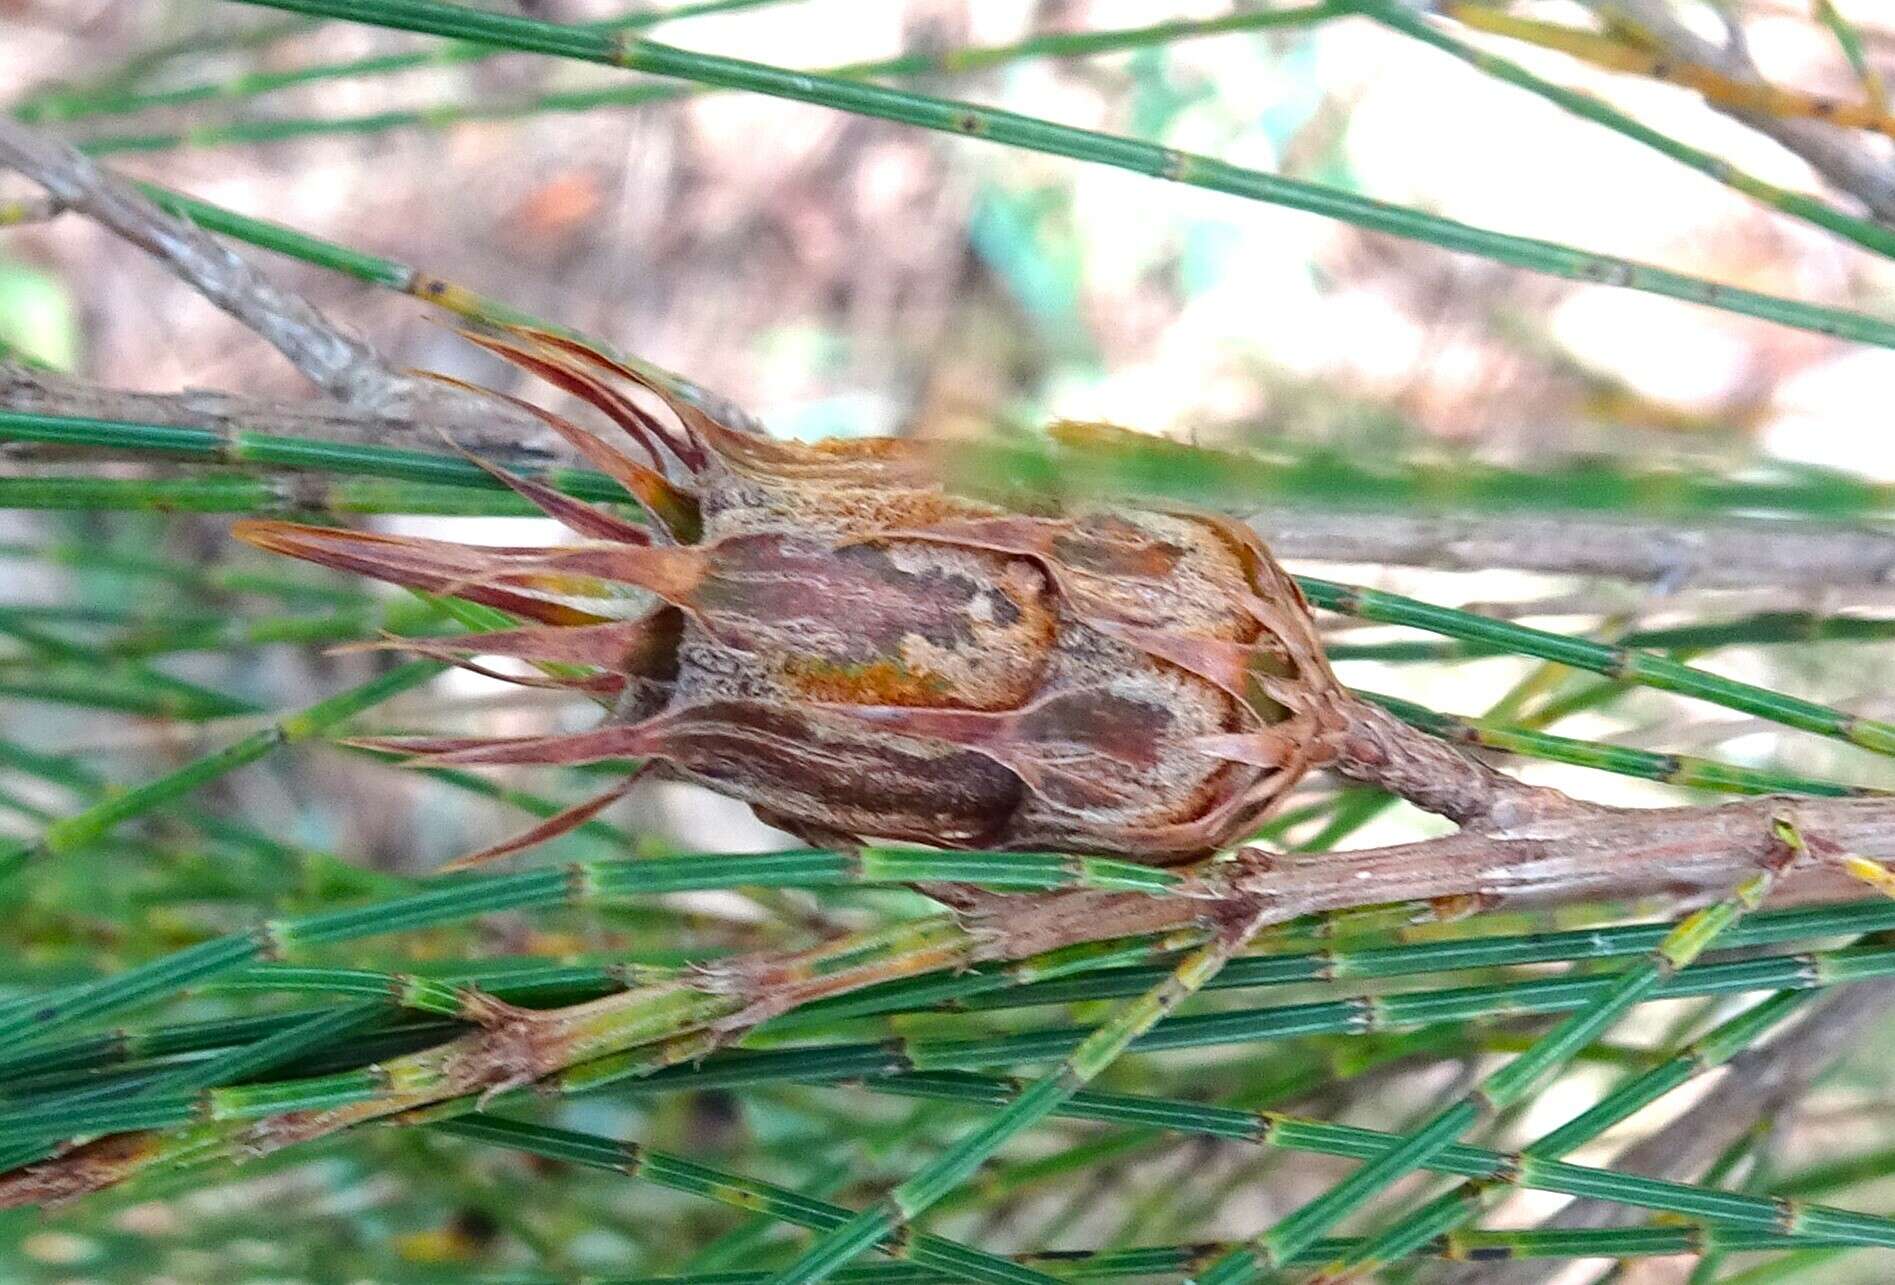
[341, 365]
[1567, 852]
[473, 424]
[1571, 853]
[1835, 154]
[30, 209]
[1366, 743]
[1716, 554]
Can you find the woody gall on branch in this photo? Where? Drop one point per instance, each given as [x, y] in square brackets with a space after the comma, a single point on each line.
[830, 635]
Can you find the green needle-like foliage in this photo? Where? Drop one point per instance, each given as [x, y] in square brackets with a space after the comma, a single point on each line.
[446, 115]
[617, 1060]
[1013, 130]
[1296, 1233]
[81, 104]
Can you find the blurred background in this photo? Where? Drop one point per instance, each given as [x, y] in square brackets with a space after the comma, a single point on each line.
[842, 276]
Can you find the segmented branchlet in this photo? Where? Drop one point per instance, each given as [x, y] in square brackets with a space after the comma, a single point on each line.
[833, 635]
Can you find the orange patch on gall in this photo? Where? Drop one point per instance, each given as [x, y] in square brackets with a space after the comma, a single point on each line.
[878, 682]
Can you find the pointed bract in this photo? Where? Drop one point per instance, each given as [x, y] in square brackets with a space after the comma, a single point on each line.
[831, 635]
[436, 566]
[552, 827]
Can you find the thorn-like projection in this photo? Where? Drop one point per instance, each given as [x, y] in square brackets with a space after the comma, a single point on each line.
[552, 827]
[436, 566]
[543, 359]
[615, 645]
[1272, 748]
[677, 513]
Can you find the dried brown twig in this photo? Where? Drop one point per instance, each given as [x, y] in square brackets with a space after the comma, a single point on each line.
[340, 364]
[1677, 554]
[1529, 851]
[494, 436]
[19, 211]
[343, 366]
[1836, 154]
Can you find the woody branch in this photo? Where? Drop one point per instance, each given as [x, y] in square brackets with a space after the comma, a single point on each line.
[1551, 852]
